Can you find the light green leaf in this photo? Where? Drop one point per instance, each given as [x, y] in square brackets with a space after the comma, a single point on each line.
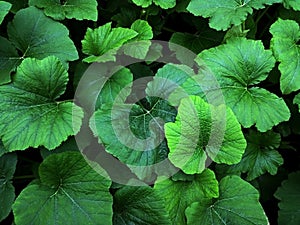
[30, 116]
[133, 133]
[260, 156]
[286, 34]
[8, 164]
[138, 47]
[117, 86]
[238, 203]
[224, 13]
[4, 9]
[180, 194]
[59, 10]
[200, 129]
[105, 40]
[294, 4]
[297, 101]
[238, 66]
[165, 4]
[41, 37]
[68, 191]
[289, 196]
[139, 205]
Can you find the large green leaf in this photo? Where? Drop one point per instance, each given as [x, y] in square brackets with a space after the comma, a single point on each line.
[165, 4]
[105, 39]
[139, 205]
[289, 196]
[30, 116]
[238, 66]
[260, 156]
[224, 13]
[68, 191]
[133, 133]
[4, 9]
[59, 10]
[286, 34]
[201, 186]
[294, 4]
[8, 164]
[202, 128]
[41, 37]
[237, 204]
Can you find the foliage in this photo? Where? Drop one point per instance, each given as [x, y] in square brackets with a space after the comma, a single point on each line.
[101, 123]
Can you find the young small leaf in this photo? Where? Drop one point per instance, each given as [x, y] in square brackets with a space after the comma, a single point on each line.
[4, 9]
[200, 129]
[165, 4]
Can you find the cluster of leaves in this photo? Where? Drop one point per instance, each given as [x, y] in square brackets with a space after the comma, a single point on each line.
[250, 46]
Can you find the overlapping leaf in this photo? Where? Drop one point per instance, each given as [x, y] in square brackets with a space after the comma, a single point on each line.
[238, 66]
[200, 129]
[165, 4]
[224, 13]
[41, 37]
[139, 205]
[238, 203]
[8, 164]
[59, 10]
[4, 9]
[286, 34]
[30, 114]
[260, 156]
[180, 194]
[133, 133]
[68, 191]
[289, 196]
[105, 39]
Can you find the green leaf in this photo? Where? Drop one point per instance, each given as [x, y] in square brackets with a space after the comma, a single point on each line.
[59, 10]
[3, 150]
[294, 4]
[202, 128]
[104, 40]
[238, 66]
[289, 204]
[8, 164]
[286, 34]
[30, 116]
[260, 156]
[180, 194]
[238, 203]
[139, 205]
[297, 101]
[224, 13]
[4, 9]
[41, 37]
[17, 5]
[117, 86]
[133, 133]
[138, 46]
[68, 191]
[165, 4]
[9, 60]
